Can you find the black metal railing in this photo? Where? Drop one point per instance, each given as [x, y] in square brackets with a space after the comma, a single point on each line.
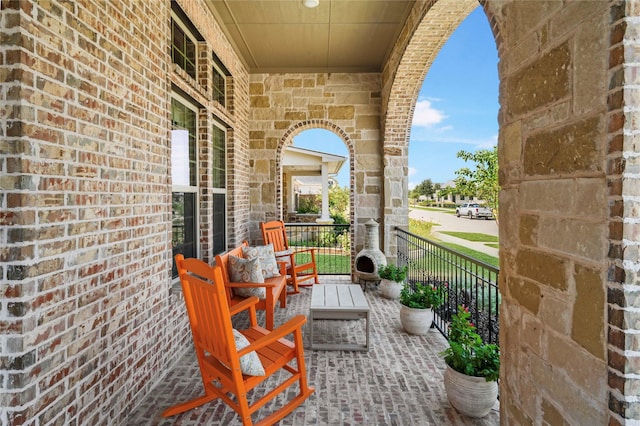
[462, 280]
[332, 244]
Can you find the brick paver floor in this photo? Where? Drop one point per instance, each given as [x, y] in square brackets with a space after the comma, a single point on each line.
[399, 381]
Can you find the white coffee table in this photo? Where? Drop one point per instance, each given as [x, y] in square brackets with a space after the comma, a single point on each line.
[338, 302]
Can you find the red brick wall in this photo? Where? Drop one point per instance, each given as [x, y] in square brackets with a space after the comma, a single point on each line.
[89, 320]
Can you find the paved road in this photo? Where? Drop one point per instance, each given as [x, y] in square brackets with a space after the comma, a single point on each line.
[449, 222]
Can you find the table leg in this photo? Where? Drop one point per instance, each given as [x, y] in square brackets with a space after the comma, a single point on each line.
[367, 330]
[310, 328]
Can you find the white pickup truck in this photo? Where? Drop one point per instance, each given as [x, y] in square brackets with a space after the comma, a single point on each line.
[473, 210]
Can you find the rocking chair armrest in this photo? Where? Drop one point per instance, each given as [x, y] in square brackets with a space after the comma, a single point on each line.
[251, 285]
[248, 303]
[311, 250]
[283, 267]
[294, 324]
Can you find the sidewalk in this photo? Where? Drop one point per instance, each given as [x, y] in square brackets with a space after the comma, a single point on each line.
[445, 221]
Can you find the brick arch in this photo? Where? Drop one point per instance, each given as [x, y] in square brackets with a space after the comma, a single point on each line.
[529, 39]
[287, 139]
[428, 28]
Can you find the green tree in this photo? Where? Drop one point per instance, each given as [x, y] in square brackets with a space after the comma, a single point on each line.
[423, 188]
[339, 204]
[482, 181]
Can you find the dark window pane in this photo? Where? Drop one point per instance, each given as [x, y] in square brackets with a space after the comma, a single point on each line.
[184, 236]
[219, 223]
[219, 160]
[183, 49]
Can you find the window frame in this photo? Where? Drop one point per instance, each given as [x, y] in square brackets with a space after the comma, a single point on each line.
[219, 68]
[189, 188]
[223, 190]
[190, 35]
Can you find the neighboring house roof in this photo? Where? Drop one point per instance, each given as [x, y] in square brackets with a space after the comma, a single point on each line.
[306, 162]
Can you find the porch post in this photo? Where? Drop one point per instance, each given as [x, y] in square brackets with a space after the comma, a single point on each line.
[325, 218]
[292, 194]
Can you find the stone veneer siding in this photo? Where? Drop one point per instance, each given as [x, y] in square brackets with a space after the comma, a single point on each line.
[283, 105]
[554, 215]
[89, 318]
[568, 233]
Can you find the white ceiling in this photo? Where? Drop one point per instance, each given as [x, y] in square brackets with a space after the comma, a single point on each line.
[337, 36]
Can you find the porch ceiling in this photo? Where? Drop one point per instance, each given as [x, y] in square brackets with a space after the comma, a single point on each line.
[337, 36]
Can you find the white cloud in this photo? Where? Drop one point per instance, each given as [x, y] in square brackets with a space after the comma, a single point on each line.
[412, 185]
[426, 116]
[489, 143]
[412, 171]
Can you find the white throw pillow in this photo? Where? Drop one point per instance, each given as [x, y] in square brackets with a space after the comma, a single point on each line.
[284, 256]
[246, 271]
[267, 258]
[249, 363]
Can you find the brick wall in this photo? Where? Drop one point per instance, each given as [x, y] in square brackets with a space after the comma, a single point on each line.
[623, 165]
[89, 321]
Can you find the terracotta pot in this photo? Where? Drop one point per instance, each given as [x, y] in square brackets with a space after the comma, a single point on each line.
[471, 396]
[390, 289]
[416, 321]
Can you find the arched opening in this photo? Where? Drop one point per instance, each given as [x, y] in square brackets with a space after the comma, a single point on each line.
[456, 118]
[302, 176]
[315, 176]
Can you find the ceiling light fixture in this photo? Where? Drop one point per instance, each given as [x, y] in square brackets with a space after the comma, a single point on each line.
[311, 3]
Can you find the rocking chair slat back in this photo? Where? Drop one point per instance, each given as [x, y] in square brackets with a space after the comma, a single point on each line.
[218, 357]
[209, 326]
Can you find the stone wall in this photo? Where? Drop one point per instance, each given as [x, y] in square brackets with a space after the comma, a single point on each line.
[554, 211]
[284, 105]
[89, 318]
[567, 156]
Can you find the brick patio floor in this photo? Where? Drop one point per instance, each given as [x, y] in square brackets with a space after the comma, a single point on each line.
[399, 381]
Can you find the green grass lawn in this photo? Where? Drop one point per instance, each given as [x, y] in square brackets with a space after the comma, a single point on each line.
[473, 236]
[482, 257]
[327, 264]
[434, 209]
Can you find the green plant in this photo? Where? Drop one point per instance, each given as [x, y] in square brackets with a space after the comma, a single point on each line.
[421, 296]
[392, 272]
[467, 354]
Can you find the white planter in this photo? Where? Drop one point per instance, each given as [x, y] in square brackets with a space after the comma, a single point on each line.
[471, 396]
[390, 289]
[416, 321]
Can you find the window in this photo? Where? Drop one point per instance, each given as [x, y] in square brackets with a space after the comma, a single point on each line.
[184, 176]
[219, 172]
[183, 46]
[220, 75]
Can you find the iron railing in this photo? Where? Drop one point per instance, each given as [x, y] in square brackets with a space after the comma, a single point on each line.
[462, 280]
[332, 244]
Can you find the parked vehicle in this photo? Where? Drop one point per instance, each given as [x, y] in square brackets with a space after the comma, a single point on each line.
[473, 211]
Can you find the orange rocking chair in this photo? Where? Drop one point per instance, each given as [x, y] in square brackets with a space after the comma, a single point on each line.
[233, 362]
[297, 273]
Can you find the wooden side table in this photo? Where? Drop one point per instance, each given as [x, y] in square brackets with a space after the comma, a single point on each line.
[338, 302]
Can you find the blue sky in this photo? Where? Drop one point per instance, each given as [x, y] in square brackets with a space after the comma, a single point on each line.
[457, 107]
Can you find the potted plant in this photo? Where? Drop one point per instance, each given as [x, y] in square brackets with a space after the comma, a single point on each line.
[416, 307]
[391, 280]
[473, 368]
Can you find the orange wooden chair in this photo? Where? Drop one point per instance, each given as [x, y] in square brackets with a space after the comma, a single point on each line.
[298, 274]
[222, 359]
